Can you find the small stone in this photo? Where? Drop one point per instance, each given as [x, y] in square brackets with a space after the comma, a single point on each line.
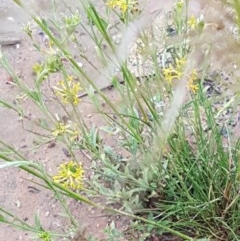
[66, 152]
[51, 144]
[18, 203]
[11, 19]
[80, 64]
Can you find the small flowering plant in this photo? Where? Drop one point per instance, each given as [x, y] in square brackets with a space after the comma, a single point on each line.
[70, 175]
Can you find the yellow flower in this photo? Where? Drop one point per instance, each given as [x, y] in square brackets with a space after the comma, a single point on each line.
[38, 68]
[112, 3]
[176, 72]
[73, 135]
[192, 87]
[123, 5]
[194, 75]
[71, 131]
[68, 90]
[45, 236]
[60, 129]
[170, 74]
[180, 63]
[179, 4]
[70, 175]
[192, 78]
[192, 22]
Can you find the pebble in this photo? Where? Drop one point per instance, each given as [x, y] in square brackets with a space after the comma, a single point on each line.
[80, 64]
[18, 203]
[11, 19]
[117, 38]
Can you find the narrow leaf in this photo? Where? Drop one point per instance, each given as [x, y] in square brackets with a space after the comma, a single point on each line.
[14, 164]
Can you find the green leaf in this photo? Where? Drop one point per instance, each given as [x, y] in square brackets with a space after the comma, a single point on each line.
[96, 20]
[5, 104]
[14, 164]
[43, 123]
[18, 2]
[2, 219]
[35, 95]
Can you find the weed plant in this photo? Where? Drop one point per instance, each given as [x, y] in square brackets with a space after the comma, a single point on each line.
[171, 170]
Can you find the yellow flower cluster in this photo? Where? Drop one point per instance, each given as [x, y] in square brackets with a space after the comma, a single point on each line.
[123, 5]
[176, 72]
[171, 72]
[66, 129]
[70, 175]
[68, 91]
